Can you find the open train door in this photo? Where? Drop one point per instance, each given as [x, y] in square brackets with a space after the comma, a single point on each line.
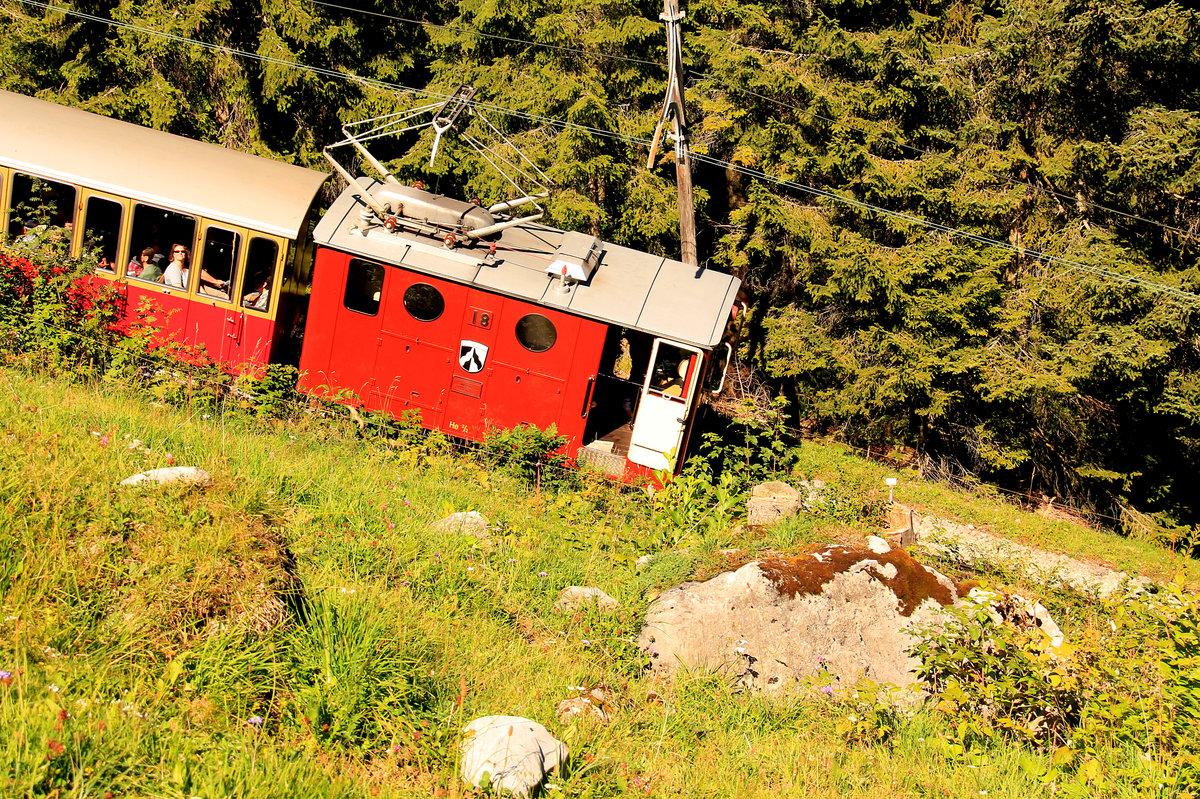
[665, 405]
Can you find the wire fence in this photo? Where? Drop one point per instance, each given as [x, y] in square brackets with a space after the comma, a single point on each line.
[221, 386]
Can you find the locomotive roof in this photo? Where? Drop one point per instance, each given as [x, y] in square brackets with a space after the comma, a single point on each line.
[629, 288]
[73, 146]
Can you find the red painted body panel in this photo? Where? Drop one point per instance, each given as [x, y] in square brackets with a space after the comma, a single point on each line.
[396, 363]
[241, 342]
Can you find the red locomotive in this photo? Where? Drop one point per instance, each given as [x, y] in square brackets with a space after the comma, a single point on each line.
[399, 299]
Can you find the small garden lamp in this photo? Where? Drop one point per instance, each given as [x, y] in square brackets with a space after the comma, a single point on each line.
[891, 484]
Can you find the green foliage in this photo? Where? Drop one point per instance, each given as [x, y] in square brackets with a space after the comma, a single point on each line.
[356, 681]
[1127, 686]
[274, 394]
[51, 312]
[692, 506]
[1060, 127]
[995, 679]
[532, 455]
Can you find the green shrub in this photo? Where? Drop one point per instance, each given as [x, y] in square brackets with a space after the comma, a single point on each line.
[357, 680]
[1127, 690]
[532, 455]
[53, 311]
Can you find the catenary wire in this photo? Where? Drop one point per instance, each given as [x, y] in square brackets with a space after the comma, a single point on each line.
[1102, 272]
[782, 104]
[951, 159]
[1098, 271]
[474, 32]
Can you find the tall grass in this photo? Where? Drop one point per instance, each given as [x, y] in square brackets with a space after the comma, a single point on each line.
[296, 627]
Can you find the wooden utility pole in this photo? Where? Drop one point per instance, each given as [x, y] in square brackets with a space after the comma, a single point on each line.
[673, 109]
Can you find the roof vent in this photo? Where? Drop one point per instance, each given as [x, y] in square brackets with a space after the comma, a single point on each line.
[576, 258]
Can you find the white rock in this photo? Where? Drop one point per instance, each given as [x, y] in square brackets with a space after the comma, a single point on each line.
[471, 522]
[591, 704]
[511, 752]
[192, 475]
[878, 545]
[574, 596]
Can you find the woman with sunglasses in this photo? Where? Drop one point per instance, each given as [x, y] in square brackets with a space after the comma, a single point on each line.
[175, 274]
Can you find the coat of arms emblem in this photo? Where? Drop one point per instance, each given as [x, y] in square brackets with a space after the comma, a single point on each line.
[472, 355]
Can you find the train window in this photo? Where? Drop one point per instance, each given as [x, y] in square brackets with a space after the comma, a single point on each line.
[38, 203]
[157, 234]
[260, 266]
[424, 302]
[218, 266]
[101, 228]
[673, 371]
[364, 286]
[536, 333]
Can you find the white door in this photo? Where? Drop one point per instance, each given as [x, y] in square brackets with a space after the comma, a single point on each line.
[666, 405]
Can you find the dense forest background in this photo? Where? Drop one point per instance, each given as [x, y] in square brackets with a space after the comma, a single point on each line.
[1065, 128]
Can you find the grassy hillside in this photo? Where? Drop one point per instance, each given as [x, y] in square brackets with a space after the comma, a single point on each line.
[296, 628]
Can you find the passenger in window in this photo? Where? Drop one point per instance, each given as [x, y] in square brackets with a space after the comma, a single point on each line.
[175, 274]
[213, 286]
[670, 381]
[147, 265]
[260, 297]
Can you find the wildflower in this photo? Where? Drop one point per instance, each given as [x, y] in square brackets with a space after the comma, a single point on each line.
[512, 560]
[470, 568]
[543, 574]
[103, 441]
[53, 688]
[586, 642]
[5, 675]
[383, 507]
[391, 525]
[395, 748]
[828, 689]
[406, 582]
[255, 720]
[170, 459]
[56, 749]
[407, 503]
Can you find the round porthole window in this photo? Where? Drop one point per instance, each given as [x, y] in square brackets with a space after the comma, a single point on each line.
[424, 302]
[536, 333]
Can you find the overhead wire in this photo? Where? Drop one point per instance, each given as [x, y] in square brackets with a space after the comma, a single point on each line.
[758, 174]
[782, 104]
[495, 36]
[951, 159]
[1098, 271]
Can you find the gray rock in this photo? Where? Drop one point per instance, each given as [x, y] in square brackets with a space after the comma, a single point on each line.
[592, 704]
[1020, 611]
[878, 545]
[772, 502]
[775, 489]
[770, 624]
[470, 522]
[514, 754]
[775, 501]
[969, 545]
[191, 475]
[574, 597]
